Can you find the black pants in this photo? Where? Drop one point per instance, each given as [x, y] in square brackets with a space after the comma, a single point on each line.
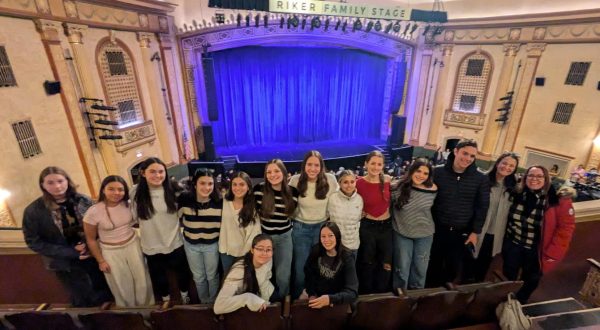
[86, 283]
[517, 257]
[448, 252]
[158, 264]
[476, 269]
[375, 250]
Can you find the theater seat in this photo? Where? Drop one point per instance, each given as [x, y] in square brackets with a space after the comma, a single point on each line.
[42, 320]
[483, 306]
[381, 312]
[439, 310]
[269, 319]
[113, 320]
[303, 317]
[184, 317]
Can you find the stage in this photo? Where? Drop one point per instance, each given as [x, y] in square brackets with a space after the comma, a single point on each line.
[251, 159]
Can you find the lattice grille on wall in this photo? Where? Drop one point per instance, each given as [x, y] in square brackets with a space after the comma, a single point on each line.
[563, 112]
[121, 86]
[7, 77]
[577, 73]
[116, 63]
[28, 142]
[475, 67]
[472, 83]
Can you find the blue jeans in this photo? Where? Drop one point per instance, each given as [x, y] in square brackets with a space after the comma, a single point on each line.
[304, 236]
[204, 264]
[411, 258]
[282, 261]
[226, 261]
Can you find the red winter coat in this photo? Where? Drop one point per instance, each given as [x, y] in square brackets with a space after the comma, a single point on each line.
[557, 231]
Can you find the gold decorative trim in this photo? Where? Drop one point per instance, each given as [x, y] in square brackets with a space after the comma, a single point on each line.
[134, 136]
[465, 120]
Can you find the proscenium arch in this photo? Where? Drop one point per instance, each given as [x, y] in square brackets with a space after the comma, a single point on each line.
[395, 49]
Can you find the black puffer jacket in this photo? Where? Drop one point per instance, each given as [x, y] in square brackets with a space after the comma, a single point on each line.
[463, 199]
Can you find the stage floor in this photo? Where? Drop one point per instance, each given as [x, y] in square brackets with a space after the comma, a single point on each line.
[295, 152]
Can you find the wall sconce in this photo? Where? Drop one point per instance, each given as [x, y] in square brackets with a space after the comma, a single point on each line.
[597, 141]
[6, 218]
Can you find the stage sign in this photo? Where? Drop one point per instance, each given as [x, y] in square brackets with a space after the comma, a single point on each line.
[329, 8]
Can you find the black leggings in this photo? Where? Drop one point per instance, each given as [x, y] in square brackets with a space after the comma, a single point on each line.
[374, 252]
[159, 263]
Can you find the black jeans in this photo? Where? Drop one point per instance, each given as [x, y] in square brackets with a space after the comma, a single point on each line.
[448, 252]
[158, 264]
[476, 269]
[517, 257]
[375, 250]
[86, 283]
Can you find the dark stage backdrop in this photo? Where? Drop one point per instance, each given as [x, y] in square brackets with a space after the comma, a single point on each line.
[297, 95]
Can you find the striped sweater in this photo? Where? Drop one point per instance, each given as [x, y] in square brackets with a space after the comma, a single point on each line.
[279, 222]
[414, 219]
[201, 221]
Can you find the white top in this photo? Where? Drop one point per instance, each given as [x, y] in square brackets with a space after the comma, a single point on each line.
[109, 232]
[231, 298]
[346, 212]
[233, 239]
[161, 233]
[311, 210]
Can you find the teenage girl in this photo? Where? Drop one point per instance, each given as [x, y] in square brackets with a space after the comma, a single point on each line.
[199, 211]
[240, 223]
[345, 209]
[314, 186]
[413, 225]
[375, 252]
[115, 245]
[154, 208]
[276, 202]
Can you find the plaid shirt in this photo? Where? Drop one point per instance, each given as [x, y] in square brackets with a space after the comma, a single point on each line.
[524, 228]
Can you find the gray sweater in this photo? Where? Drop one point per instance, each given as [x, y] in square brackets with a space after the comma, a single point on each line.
[414, 219]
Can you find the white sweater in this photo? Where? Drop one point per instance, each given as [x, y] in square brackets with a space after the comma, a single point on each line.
[346, 212]
[233, 239]
[231, 297]
[311, 210]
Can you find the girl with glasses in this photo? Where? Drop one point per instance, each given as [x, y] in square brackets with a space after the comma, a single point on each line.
[539, 230]
[248, 283]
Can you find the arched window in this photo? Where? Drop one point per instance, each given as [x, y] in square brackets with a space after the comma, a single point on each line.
[472, 83]
[120, 82]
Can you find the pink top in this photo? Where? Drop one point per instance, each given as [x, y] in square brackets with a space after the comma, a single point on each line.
[375, 203]
[114, 228]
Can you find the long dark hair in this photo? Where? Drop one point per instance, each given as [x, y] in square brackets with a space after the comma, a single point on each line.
[509, 181]
[322, 187]
[49, 200]
[318, 250]
[406, 182]
[215, 195]
[111, 179]
[249, 280]
[247, 214]
[142, 199]
[377, 153]
[268, 199]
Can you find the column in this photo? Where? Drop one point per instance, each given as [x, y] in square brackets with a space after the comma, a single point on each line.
[49, 33]
[172, 74]
[534, 52]
[420, 92]
[493, 127]
[162, 117]
[438, 107]
[75, 34]
[594, 156]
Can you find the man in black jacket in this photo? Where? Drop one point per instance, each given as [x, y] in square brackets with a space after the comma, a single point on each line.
[459, 212]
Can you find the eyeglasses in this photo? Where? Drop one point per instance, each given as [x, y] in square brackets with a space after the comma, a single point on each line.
[536, 177]
[263, 250]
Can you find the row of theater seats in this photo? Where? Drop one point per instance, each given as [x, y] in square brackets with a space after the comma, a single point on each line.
[438, 308]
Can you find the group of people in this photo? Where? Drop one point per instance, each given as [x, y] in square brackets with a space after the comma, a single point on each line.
[314, 236]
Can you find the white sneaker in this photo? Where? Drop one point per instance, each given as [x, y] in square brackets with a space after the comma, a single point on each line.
[166, 298]
[185, 298]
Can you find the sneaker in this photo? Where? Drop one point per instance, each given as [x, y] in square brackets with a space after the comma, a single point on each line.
[166, 298]
[185, 298]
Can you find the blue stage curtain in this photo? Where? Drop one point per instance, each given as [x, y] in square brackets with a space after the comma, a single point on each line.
[272, 95]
